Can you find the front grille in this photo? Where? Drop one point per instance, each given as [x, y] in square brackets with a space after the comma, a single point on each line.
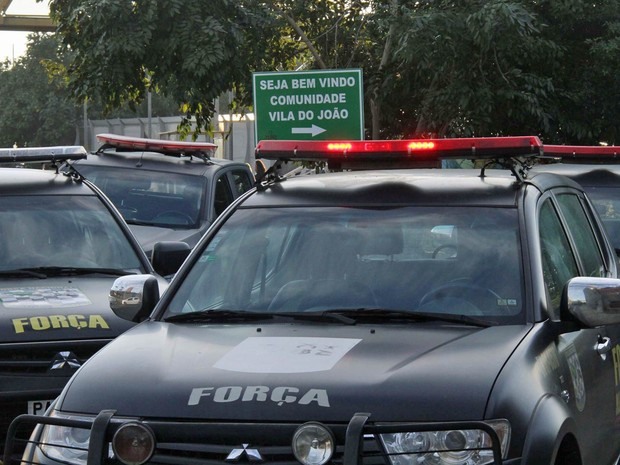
[35, 359]
[200, 443]
[216, 453]
[211, 444]
[26, 374]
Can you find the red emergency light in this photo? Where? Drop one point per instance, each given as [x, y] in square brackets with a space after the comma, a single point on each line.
[155, 145]
[407, 151]
[583, 153]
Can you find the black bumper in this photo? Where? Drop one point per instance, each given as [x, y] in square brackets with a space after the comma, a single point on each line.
[356, 441]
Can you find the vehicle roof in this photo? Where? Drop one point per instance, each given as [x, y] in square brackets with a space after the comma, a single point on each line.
[402, 187]
[20, 181]
[156, 162]
[584, 174]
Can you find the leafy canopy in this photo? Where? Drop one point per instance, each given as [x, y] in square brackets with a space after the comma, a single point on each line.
[431, 68]
[187, 50]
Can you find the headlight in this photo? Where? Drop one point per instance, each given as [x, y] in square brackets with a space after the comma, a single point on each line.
[453, 447]
[133, 443]
[69, 444]
[66, 444]
[313, 444]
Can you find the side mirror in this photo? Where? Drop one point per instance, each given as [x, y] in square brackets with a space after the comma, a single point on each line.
[592, 301]
[168, 256]
[134, 297]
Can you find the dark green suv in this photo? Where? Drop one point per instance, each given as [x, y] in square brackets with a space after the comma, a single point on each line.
[62, 246]
[375, 315]
[165, 190]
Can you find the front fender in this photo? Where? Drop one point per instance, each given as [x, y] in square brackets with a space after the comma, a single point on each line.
[549, 424]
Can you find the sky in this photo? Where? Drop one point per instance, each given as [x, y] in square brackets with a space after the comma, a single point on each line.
[13, 43]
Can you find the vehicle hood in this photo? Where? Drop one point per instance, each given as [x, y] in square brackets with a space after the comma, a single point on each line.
[149, 235]
[288, 372]
[58, 309]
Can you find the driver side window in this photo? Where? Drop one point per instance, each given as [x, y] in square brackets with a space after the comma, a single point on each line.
[583, 237]
[223, 195]
[559, 264]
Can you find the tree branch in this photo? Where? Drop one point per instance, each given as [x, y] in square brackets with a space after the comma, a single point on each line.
[304, 38]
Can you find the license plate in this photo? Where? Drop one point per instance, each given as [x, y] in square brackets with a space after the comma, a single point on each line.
[38, 407]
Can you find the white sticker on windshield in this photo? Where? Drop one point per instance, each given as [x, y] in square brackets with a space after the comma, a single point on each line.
[286, 354]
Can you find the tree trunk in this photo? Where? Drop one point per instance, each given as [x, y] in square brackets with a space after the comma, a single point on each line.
[375, 97]
[304, 38]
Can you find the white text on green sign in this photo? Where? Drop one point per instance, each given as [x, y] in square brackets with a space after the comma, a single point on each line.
[313, 104]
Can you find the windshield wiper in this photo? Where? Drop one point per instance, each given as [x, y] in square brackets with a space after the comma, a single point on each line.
[19, 273]
[219, 315]
[239, 315]
[333, 315]
[346, 316]
[155, 224]
[96, 270]
[47, 271]
[387, 314]
[139, 222]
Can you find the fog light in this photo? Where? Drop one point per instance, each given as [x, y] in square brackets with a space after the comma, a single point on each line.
[133, 443]
[313, 444]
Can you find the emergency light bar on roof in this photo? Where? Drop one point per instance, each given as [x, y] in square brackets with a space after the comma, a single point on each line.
[42, 154]
[583, 153]
[400, 150]
[168, 147]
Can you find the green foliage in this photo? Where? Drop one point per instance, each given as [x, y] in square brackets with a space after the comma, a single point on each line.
[507, 67]
[475, 69]
[190, 51]
[431, 68]
[587, 77]
[36, 110]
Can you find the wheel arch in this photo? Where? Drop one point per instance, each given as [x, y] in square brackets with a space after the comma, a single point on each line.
[551, 435]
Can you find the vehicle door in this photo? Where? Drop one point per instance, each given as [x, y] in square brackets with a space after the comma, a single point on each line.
[229, 184]
[571, 246]
[241, 180]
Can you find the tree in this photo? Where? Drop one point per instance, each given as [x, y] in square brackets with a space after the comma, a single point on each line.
[504, 67]
[35, 110]
[431, 67]
[587, 76]
[187, 50]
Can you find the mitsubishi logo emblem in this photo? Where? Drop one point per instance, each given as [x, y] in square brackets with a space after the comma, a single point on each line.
[64, 360]
[252, 455]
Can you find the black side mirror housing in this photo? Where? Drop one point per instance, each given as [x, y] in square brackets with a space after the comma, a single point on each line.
[168, 256]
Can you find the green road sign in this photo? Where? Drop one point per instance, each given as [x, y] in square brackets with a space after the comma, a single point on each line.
[309, 105]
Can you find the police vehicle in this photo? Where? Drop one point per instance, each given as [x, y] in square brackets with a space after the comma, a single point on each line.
[384, 316]
[62, 246]
[597, 169]
[165, 190]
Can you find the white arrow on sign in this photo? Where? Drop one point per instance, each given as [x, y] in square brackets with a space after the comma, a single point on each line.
[314, 130]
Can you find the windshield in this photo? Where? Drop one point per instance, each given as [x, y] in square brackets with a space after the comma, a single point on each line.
[607, 203]
[62, 231]
[151, 198]
[413, 259]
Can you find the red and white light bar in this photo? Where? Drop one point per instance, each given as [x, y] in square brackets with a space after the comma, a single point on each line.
[583, 153]
[400, 150]
[155, 145]
[42, 154]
